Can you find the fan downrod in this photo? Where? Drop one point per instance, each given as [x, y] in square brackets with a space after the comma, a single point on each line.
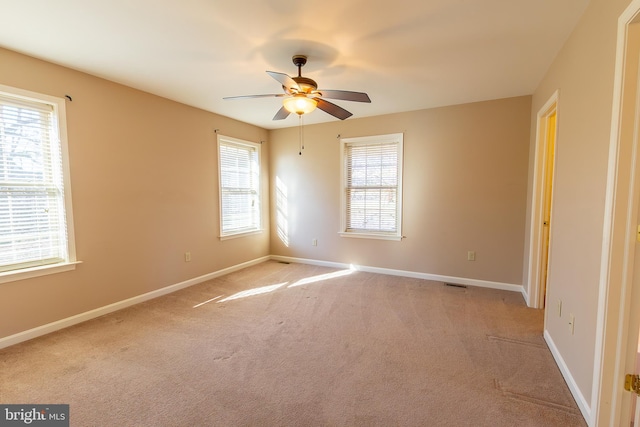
[306, 84]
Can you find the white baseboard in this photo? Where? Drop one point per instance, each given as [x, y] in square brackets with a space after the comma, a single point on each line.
[525, 295]
[585, 409]
[403, 273]
[92, 314]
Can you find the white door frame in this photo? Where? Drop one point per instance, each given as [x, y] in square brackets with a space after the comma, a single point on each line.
[535, 291]
[609, 404]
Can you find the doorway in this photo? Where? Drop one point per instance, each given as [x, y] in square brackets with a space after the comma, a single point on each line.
[619, 296]
[630, 131]
[542, 202]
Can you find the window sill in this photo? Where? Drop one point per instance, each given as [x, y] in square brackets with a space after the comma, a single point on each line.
[377, 236]
[241, 234]
[43, 270]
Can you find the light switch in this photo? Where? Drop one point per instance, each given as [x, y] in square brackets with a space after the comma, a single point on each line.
[559, 308]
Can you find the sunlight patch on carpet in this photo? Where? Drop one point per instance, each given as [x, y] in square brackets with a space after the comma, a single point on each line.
[271, 288]
[321, 277]
[207, 301]
[255, 291]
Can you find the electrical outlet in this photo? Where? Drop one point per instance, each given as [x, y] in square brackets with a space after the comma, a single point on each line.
[314, 242]
[187, 256]
[471, 256]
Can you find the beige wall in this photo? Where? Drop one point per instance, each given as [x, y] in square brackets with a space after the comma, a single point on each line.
[583, 73]
[144, 184]
[465, 178]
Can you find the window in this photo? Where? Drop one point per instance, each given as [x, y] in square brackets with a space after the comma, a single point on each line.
[35, 202]
[372, 187]
[239, 166]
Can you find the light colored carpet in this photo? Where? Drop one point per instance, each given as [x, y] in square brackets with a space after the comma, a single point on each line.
[301, 345]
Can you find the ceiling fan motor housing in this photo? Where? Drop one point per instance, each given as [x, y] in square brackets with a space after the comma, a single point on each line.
[305, 84]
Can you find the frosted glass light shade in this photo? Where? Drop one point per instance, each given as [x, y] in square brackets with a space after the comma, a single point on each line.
[300, 104]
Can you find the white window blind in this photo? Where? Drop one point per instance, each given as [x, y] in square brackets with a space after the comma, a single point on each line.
[239, 166]
[372, 185]
[33, 229]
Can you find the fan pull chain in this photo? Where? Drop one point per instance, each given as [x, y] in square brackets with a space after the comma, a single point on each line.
[301, 134]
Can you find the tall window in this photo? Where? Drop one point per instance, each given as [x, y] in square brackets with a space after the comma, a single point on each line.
[239, 166]
[35, 204]
[372, 187]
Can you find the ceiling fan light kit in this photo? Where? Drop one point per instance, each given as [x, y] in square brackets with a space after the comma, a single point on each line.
[301, 95]
[300, 104]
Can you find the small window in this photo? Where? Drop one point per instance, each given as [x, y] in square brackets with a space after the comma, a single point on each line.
[372, 187]
[35, 201]
[239, 167]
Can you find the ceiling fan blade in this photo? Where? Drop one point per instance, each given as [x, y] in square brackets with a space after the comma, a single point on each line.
[282, 113]
[345, 95]
[333, 109]
[284, 80]
[271, 95]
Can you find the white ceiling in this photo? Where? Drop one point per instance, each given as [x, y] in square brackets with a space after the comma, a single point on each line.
[406, 54]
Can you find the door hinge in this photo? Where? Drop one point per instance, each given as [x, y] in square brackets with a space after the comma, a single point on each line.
[632, 383]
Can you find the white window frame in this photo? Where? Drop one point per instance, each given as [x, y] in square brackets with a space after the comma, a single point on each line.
[59, 134]
[395, 138]
[256, 227]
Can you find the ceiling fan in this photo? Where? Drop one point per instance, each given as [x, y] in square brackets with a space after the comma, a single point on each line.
[301, 95]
